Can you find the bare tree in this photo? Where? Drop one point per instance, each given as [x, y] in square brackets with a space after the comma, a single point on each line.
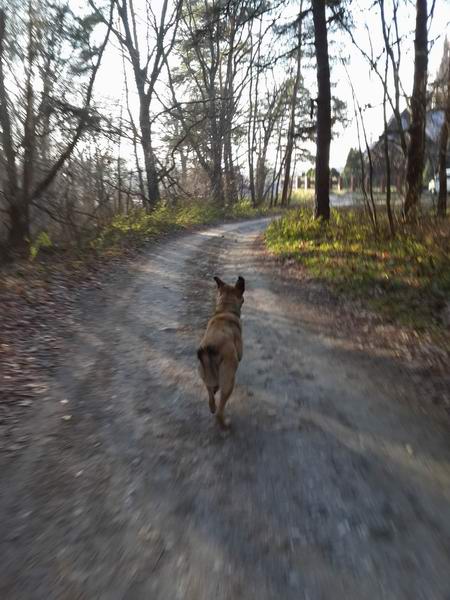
[270, 114]
[25, 183]
[147, 65]
[416, 147]
[387, 157]
[253, 93]
[218, 54]
[291, 131]
[393, 57]
[322, 193]
[443, 145]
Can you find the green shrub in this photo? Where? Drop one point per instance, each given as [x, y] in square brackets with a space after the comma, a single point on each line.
[42, 241]
[139, 226]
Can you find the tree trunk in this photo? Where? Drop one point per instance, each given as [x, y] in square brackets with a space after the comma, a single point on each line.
[228, 111]
[18, 214]
[151, 175]
[274, 178]
[216, 123]
[216, 179]
[387, 159]
[322, 192]
[416, 148]
[184, 171]
[252, 101]
[216, 171]
[291, 131]
[119, 207]
[29, 132]
[291, 186]
[443, 144]
[19, 228]
[260, 177]
[230, 175]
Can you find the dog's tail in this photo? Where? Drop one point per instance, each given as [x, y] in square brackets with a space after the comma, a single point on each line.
[209, 358]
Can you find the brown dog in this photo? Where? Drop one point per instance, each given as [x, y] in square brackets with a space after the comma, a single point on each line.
[220, 350]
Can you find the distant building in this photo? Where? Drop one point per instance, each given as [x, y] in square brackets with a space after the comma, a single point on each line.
[307, 179]
[434, 184]
[433, 126]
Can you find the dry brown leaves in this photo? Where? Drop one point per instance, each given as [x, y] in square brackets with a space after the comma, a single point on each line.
[36, 307]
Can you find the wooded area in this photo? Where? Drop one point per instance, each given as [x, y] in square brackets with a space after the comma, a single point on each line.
[210, 106]
[155, 156]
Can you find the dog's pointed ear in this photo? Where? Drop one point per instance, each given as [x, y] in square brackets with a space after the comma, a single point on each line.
[240, 284]
[219, 282]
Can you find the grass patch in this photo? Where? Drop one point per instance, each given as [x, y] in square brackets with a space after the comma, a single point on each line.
[139, 226]
[406, 279]
[125, 233]
[302, 196]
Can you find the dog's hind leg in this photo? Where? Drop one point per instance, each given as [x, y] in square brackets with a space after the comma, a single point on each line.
[212, 400]
[225, 393]
[226, 385]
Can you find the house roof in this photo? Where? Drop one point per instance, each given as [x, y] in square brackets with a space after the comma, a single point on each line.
[434, 122]
[433, 125]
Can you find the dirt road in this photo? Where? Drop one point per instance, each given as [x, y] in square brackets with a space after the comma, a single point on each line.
[332, 484]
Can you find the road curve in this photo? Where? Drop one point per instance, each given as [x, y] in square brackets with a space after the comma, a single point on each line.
[329, 486]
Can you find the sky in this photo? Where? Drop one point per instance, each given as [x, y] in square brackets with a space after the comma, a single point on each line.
[367, 87]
